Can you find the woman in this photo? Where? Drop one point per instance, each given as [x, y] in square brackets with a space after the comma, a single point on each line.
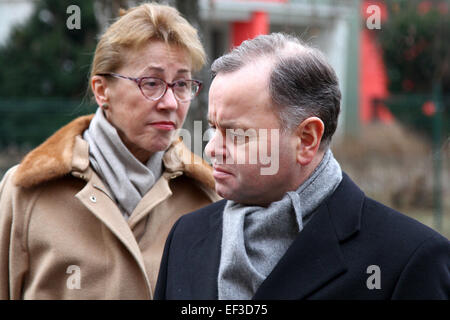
[86, 214]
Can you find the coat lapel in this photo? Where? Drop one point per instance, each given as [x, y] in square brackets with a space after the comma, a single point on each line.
[315, 257]
[204, 257]
[96, 200]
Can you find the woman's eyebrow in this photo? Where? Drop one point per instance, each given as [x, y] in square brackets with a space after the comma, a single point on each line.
[161, 70]
[183, 71]
[151, 68]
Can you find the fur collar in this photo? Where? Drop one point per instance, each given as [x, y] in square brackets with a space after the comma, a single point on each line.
[53, 158]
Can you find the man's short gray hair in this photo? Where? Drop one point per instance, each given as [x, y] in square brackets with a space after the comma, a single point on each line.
[302, 83]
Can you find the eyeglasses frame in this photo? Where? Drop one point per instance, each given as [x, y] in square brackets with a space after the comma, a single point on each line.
[139, 80]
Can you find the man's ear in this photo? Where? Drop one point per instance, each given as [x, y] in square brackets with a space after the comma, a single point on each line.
[100, 89]
[309, 134]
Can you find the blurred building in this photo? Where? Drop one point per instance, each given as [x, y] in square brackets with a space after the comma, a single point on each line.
[331, 25]
[11, 13]
[334, 26]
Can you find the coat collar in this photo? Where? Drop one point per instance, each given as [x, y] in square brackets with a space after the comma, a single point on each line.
[345, 206]
[204, 257]
[53, 158]
[59, 156]
[315, 256]
[97, 201]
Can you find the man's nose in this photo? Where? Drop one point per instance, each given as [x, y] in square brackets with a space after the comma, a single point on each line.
[215, 148]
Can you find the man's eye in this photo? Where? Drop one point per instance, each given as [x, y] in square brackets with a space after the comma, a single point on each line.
[236, 137]
[209, 134]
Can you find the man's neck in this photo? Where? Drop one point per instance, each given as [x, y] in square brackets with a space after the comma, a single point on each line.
[308, 169]
[305, 173]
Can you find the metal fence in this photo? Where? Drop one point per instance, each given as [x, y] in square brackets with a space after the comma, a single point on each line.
[31, 121]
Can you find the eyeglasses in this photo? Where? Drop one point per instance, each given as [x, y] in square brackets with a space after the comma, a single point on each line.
[155, 88]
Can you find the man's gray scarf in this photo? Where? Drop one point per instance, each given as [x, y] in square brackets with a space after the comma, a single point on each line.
[255, 238]
[127, 178]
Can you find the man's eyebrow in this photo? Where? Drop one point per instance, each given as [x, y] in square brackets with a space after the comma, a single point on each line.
[229, 124]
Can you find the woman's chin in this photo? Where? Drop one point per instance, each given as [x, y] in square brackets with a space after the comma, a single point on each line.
[159, 147]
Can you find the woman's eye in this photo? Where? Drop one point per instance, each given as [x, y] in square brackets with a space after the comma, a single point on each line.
[150, 83]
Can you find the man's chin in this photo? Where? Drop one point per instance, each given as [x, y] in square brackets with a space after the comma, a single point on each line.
[239, 197]
[225, 192]
[222, 193]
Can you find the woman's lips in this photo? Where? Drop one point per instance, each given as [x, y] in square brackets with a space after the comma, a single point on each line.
[163, 125]
[220, 173]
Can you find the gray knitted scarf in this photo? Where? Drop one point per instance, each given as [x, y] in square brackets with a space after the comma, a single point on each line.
[127, 178]
[255, 238]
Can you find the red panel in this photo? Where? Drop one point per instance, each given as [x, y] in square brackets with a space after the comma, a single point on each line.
[275, 1]
[374, 81]
[241, 31]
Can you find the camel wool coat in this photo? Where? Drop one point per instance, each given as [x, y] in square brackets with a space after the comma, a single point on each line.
[62, 236]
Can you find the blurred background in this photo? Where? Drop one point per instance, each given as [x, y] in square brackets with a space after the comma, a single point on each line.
[392, 59]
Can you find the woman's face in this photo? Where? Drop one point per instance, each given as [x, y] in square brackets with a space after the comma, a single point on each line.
[147, 126]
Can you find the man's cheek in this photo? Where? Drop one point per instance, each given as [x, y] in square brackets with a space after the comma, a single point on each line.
[237, 155]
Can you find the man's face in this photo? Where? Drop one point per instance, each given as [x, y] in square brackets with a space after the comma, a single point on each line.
[240, 101]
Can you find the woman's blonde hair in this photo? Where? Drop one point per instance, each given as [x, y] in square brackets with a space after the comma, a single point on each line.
[136, 26]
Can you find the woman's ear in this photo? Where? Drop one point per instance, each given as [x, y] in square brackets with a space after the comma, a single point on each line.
[100, 90]
[309, 134]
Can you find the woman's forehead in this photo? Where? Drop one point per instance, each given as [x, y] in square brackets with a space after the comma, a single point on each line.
[158, 56]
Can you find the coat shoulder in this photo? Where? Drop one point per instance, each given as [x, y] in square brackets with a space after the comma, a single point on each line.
[390, 224]
[53, 158]
[10, 191]
[352, 210]
[201, 220]
[415, 257]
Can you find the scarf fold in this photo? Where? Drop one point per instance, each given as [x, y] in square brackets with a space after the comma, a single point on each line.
[127, 178]
[255, 238]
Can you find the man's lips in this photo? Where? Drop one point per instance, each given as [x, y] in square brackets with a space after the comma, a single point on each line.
[163, 125]
[220, 173]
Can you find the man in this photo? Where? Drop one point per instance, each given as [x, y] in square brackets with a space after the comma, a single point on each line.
[305, 231]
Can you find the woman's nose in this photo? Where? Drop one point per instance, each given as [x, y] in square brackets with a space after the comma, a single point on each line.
[168, 101]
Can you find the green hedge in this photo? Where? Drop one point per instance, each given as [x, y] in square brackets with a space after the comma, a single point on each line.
[31, 121]
[408, 109]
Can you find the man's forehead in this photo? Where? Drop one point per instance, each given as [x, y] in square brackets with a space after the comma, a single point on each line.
[224, 96]
[236, 97]
[240, 116]
[223, 115]
[251, 81]
[227, 117]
